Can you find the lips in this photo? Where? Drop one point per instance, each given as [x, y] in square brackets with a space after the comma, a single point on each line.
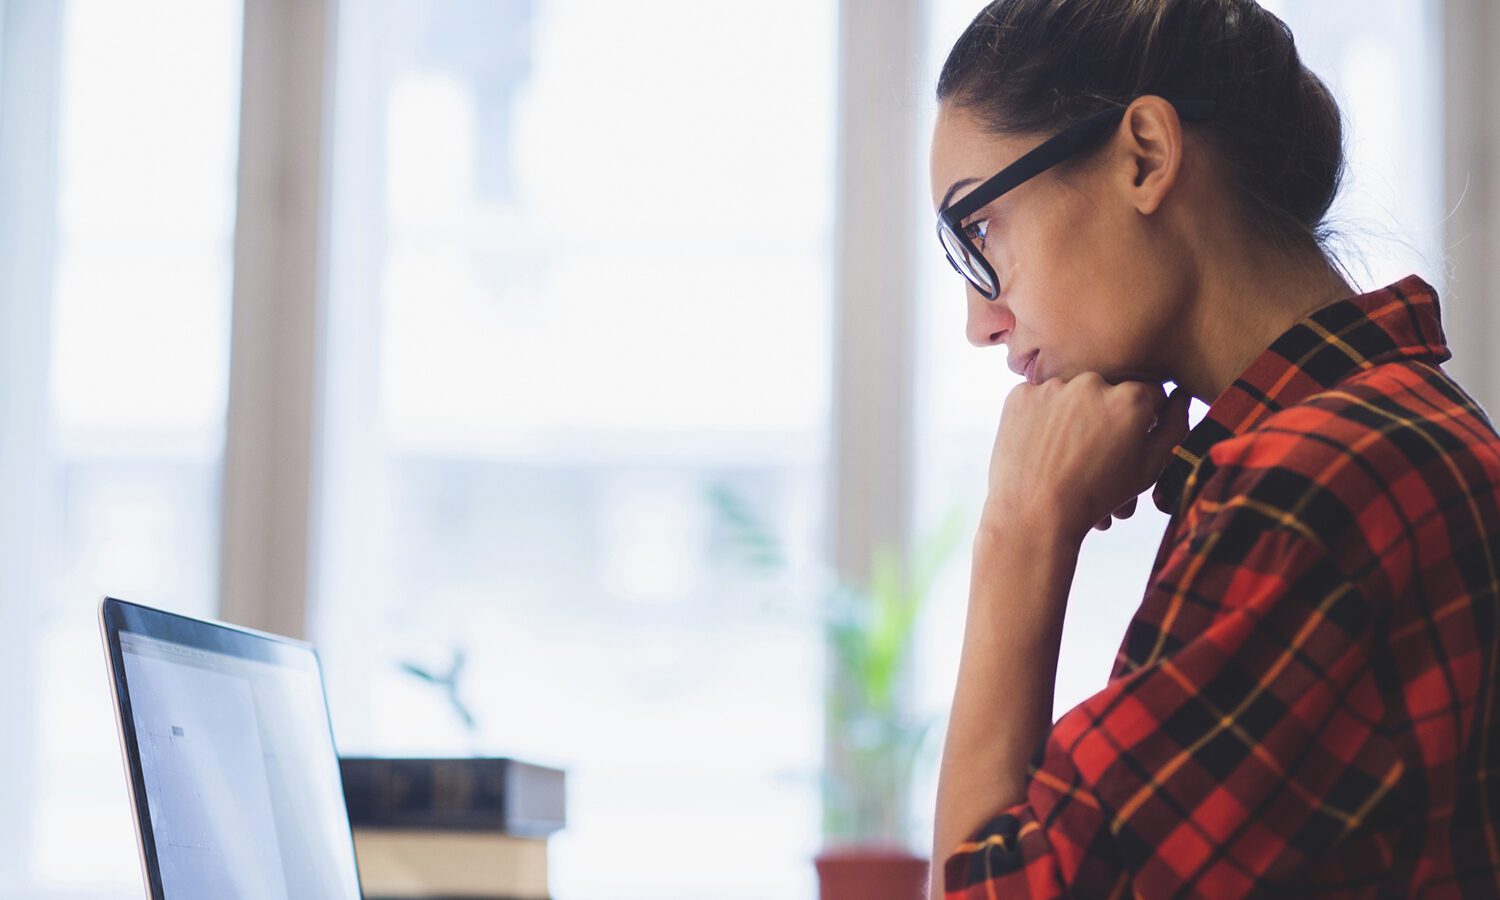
[1021, 365]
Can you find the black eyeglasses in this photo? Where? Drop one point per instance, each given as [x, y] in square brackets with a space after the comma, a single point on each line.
[957, 243]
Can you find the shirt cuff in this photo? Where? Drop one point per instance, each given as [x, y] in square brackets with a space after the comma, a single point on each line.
[1057, 838]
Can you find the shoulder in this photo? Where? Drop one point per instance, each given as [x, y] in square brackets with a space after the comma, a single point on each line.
[1369, 439]
[1355, 468]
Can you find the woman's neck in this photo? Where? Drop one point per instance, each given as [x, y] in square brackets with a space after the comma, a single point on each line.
[1242, 307]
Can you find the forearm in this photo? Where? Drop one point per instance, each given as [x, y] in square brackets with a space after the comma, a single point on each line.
[1002, 704]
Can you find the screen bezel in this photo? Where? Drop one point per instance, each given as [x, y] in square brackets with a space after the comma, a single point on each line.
[116, 616]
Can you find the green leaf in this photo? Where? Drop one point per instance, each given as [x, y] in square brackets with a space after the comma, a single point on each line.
[418, 671]
[748, 533]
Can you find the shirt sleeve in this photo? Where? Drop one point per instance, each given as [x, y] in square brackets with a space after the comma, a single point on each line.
[1216, 764]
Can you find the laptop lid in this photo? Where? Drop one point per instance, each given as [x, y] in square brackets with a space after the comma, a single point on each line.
[230, 758]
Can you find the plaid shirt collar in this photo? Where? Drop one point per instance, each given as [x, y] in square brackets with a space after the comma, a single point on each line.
[1399, 321]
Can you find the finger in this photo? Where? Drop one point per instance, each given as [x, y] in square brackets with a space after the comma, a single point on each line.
[1171, 422]
[1170, 430]
[1126, 510]
[1149, 394]
[1158, 393]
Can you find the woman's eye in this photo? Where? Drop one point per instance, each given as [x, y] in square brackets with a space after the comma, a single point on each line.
[977, 231]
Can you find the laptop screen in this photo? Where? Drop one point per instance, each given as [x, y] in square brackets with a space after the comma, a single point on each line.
[236, 761]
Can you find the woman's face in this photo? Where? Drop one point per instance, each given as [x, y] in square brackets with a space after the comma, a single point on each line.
[1085, 278]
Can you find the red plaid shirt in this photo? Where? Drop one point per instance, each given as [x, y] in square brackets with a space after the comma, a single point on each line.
[1306, 698]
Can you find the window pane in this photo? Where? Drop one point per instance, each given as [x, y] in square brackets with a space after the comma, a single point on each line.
[583, 285]
[138, 349]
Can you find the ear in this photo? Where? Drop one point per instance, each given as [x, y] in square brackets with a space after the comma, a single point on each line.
[1151, 134]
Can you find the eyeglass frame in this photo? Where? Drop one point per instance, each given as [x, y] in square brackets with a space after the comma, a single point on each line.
[1034, 162]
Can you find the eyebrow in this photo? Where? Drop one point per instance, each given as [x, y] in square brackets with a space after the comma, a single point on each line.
[953, 189]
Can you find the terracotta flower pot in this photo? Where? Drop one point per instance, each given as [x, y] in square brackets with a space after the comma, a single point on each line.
[870, 873]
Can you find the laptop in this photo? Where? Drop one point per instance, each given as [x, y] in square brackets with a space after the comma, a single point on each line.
[229, 754]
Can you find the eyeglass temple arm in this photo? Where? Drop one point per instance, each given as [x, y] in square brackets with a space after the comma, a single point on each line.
[1059, 147]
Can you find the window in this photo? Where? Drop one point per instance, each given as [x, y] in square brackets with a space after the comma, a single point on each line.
[127, 347]
[586, 287]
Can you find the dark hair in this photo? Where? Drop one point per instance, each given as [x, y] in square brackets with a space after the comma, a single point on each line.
[1033, 66]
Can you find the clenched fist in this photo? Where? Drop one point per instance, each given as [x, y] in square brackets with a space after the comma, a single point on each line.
[1081, 450]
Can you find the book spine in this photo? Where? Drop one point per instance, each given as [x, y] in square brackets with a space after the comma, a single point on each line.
[457, 794]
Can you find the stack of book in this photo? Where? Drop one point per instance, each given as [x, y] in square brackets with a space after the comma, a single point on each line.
[452, 827]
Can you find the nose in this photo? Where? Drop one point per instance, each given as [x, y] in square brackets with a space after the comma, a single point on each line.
[989, 320]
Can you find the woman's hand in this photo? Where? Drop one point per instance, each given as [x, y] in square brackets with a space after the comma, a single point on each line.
[1073, 453]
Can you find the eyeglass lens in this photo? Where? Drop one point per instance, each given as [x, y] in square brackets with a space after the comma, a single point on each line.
[963, 260]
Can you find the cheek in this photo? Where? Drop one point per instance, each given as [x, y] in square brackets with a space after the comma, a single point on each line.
[1058, 256]
[1082, 236]
[1074, 267]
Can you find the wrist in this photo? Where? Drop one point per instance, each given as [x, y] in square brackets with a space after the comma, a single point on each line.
[1022, 571]
[1040, 525]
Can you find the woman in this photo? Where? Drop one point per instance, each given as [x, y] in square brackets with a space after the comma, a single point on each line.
[1306, 697]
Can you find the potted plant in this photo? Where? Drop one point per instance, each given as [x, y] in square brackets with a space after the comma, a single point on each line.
[873, 734]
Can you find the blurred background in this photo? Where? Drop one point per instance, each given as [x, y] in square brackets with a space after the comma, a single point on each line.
[425, 328]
